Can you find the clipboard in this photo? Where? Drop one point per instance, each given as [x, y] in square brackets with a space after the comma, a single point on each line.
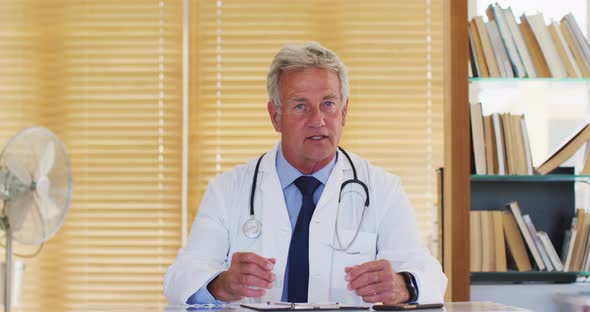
[289, 306]
[407, 307]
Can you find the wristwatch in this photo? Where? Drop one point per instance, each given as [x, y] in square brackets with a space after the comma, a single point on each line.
[411, 286]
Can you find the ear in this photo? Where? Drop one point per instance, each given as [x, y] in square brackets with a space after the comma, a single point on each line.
[275, 116]
[344, 110]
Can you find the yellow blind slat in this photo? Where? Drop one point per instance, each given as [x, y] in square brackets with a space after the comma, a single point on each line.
[105, 76]
[393, 50]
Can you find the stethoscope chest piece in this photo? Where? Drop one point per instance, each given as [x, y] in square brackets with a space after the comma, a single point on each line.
[252, 228]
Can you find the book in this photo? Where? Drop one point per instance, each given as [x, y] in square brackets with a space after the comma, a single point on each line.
[534, 49]
[586, 168]
[541, 33]
[527, 148]
[566, 149]
[499, 50]
[499, 143]
[476, 242]
[488, 255]
[500, 246]
[490, 144]
[578, 37]
[474, 62]
[509, 144]
[515, 242]
[520, 43]
[479, 56]
[575, 48]
[477, 138]
[516, 212]
[551, 252]
[495, 13]
[568, 247]
[488, 51]
[582, 226]
[533, 231]
[585, 259]
[564, 52]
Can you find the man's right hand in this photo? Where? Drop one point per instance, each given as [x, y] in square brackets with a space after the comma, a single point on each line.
[248, 276]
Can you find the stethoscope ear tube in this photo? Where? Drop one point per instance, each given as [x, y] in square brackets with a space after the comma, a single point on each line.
[253, 189]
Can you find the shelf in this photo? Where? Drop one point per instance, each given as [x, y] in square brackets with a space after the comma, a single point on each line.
[514, 277]
[529, 82]
[532, 178]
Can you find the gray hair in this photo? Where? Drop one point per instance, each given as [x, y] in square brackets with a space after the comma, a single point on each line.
[309, 54]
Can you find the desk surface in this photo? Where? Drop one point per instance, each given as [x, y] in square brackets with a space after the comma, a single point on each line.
[449, 307]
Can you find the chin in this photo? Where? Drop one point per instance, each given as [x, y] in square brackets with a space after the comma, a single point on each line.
[321, 154]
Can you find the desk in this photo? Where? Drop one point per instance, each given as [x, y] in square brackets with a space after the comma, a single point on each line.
[449, 307]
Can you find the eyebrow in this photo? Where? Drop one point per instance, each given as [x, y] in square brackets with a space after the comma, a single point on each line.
[327, 97]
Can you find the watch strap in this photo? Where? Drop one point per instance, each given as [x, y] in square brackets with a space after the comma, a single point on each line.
[411, 285]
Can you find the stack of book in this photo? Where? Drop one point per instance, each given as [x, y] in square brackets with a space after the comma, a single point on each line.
[504, 48]
[500, 145]
[499, 235]
[576, 245]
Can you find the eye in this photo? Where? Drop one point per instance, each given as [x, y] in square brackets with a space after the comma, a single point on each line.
[300, 107]
[329, 106]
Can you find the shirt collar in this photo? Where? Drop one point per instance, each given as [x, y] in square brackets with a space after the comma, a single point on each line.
[287, 173]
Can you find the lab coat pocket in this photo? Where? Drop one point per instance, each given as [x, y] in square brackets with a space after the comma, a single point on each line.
[240, 242]
[362, 249]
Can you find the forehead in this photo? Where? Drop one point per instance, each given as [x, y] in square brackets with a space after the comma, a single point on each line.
[309, 81]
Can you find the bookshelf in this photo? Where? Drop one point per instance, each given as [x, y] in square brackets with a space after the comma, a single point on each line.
[458, 182]
[553, 107]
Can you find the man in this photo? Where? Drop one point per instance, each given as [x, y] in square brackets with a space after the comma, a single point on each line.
[299, 242]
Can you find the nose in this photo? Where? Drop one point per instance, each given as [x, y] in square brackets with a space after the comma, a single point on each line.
[316, 118]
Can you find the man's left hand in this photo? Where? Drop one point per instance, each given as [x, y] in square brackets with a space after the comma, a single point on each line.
[376, 281]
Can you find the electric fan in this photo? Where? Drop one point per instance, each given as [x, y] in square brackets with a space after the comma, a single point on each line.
[36, 189]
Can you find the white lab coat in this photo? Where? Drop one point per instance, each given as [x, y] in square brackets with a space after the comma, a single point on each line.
[388, 231]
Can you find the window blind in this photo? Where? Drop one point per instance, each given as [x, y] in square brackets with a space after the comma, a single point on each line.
[393, 50]
[105, 76]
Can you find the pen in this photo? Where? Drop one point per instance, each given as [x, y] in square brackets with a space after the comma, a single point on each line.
[290, 304]
[420, 306]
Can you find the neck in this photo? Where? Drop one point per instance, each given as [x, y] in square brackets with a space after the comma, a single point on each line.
[309, 166]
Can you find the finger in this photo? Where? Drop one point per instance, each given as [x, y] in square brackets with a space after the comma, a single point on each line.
[372, 298]
[374, 289]
[253, 281]
[366, 279]
[257, 271]
[250, 257]
[245, 291]
[360, 269]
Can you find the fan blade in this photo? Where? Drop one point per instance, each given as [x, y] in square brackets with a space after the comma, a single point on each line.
[18, 170]
[17, 210]
[47, 208]
[46, 161]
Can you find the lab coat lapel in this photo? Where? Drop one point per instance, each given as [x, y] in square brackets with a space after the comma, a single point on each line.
[322, 235]
[276, 227]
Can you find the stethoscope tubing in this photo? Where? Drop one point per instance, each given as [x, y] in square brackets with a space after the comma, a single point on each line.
[253, 227]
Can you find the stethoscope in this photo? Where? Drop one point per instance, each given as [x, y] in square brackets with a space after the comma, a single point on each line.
[253, 228]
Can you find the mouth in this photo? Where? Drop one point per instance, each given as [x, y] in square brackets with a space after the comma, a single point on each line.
[317, 137]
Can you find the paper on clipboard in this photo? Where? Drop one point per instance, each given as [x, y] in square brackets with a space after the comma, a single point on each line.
[288, 306]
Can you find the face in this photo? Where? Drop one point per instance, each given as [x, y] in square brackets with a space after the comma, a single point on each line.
[312, 117]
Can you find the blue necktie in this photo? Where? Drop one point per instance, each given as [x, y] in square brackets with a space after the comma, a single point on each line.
[299, 248]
